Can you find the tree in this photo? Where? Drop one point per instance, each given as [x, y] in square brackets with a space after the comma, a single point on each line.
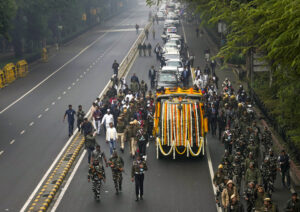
[7, 12]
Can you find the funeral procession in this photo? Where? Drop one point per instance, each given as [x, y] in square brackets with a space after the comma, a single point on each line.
[149, 105]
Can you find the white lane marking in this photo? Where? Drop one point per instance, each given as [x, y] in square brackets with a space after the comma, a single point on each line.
[93, 63]
[65, 188]
[53, 103]
[44, 80]
[46, 109]
[22, 132]
[1, 152]
[148, 144]
[69, 87]
[12, 141]
[64, 92]
[211, 172]
[31, 124]
[39, 116]
[77, 80]
[87, 69]
[59, 98]
[80, 76]
[73, 83]
[48, 172]
[84, 72]
[91, 66]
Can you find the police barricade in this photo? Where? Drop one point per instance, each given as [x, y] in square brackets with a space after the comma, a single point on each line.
[2, 79]
[22, 68]
[10, 72]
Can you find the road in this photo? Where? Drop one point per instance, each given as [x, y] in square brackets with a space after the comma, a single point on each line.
[32, 108]
[170, 185]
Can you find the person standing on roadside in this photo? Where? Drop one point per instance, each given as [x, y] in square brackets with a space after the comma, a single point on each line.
[140, 48]
[144, 47]
[115, 67]
[80, 117]
[149, 48]
[71, 118]
[152, 75]
[153, 33]
[284, 167]
[146, 33]
[137, 28]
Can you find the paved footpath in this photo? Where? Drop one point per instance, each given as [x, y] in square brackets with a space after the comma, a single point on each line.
[196, 47]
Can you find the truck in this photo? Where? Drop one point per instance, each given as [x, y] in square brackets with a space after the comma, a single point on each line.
[180, 125]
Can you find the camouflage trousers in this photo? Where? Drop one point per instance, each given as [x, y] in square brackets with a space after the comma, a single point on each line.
[96, 188]
[117, 178]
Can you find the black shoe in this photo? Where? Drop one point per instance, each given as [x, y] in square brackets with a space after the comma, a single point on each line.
[141, 198]
[137, 199]
[117, 192]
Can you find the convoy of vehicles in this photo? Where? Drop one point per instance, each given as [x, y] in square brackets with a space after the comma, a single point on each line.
[180, 125]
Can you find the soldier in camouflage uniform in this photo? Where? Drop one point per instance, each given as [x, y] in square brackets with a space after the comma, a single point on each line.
[219, 182]
[273, 164]
[96, 174]
[249, 196]
[252, 175]
[267, 177]
[116, 163]
[237, 171]
[250, 159]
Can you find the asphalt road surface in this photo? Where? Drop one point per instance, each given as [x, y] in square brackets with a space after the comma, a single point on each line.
[32, 108]
[170, 185]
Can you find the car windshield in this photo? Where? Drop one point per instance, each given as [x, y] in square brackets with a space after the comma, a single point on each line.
[167, 77]
[170, 45]
[172, 56]
[173, 63]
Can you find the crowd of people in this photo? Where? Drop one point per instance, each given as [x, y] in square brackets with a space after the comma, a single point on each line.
[125, 115]
[241, 175]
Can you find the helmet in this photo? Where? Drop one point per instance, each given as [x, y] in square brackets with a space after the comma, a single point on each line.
[220, 166]
[232, 97]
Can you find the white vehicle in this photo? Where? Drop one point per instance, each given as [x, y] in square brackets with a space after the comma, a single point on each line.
[169, 23]
[170, 36]
[169, 45]
[175, 41]
[175, 63]
[171, 69]
[160, 16]
[171, 54]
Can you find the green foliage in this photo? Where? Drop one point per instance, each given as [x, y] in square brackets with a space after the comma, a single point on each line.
[33, 23]
[273, 28]
[7, 12]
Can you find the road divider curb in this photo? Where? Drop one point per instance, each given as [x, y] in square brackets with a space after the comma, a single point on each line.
[46, 193]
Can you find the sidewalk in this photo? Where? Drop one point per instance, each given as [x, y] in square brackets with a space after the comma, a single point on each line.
[196, 48]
